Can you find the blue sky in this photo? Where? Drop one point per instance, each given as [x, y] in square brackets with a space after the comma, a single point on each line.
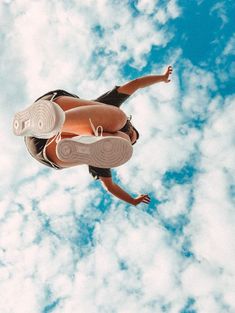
[65, 244]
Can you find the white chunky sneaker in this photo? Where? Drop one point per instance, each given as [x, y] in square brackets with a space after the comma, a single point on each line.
[43, 119]
[104, 152]
[99, 151]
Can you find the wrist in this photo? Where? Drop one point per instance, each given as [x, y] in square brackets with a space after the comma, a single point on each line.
[133, 202]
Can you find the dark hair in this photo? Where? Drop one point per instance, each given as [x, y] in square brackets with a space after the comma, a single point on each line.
[137, 134]
[128, 127]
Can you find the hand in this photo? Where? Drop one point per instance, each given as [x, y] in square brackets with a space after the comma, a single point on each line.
[167, 74]
[142, 198]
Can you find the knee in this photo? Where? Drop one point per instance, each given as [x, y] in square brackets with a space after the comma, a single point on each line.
[120, 121]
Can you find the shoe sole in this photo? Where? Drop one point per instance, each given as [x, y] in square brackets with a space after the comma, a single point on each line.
[39, 120]
[104, 153]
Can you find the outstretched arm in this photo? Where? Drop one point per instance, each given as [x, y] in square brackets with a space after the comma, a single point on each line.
[145, 81]
[117, 191]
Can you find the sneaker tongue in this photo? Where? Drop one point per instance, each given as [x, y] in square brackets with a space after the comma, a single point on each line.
[86, 139]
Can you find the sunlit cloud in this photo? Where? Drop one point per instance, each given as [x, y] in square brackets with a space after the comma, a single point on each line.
[67, 245]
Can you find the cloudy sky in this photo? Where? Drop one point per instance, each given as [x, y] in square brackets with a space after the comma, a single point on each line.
[65, 244]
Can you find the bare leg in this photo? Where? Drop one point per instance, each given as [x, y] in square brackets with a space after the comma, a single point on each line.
[68, 103]
[51, 149]
[110, 118]
[77, 114]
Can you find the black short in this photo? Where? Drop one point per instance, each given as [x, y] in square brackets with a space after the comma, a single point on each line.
[36, 146]
[111, 97]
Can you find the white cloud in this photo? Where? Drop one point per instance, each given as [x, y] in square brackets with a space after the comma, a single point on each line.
[226, 72]
[146, 6]
[161, 16]
[170, 11]
[131, 262]
[212, 218]
[70, 42]
[220, 9]
[230, 46]
[173, 9]
[176, 203]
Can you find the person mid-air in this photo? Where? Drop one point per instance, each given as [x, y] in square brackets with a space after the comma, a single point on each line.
[61, 130]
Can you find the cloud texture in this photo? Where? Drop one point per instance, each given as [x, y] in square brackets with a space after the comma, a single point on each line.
[65, 244]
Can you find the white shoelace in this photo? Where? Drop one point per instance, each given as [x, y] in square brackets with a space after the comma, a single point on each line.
[57, 138]
[53, 96]
[96, 131]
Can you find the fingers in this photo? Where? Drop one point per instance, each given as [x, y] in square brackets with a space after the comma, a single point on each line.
[145, 199]
[168, 73]
[169, 69]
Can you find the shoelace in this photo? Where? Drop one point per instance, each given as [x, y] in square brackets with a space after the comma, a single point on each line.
[57, 138]
[96, 131]
[53, 96]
